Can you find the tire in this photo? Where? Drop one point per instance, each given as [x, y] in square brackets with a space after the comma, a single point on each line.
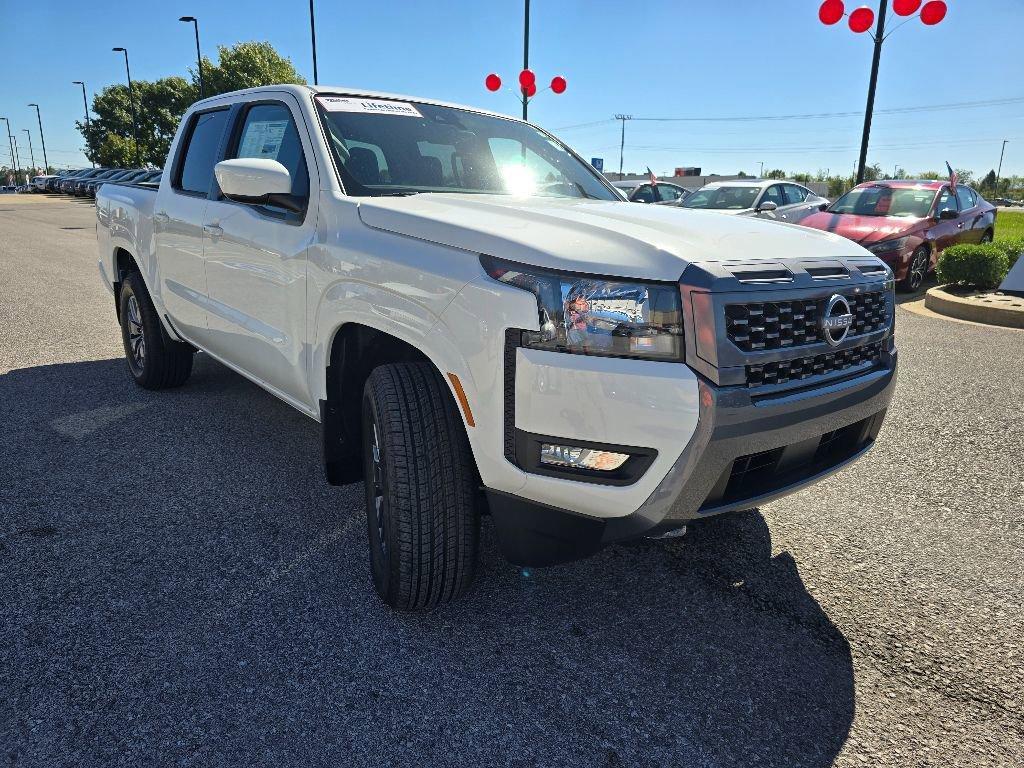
[154, 360]
[917, 270]
[422, 520]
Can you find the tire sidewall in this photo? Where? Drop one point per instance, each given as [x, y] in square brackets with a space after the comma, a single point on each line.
[128, 290]
[381, 565]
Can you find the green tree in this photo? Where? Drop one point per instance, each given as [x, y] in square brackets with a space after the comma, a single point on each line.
[930, 175]
[775, 173]
[246, 65]
[161, 103]
[989, 182]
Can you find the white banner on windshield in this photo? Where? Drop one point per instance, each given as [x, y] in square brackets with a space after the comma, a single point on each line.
[368, 106]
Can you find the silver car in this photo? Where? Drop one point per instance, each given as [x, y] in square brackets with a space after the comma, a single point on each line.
[765, 198]
[662, 193]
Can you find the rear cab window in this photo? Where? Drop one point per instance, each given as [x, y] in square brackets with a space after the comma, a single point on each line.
[194, 173]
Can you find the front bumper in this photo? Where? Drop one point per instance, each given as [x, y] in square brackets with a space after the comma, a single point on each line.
[747, 450]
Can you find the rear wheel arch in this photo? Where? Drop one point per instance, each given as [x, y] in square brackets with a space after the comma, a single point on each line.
[124, 264]
[355, 351]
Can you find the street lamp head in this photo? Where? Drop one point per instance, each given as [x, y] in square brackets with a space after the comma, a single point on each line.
[188, 19]
[119, 49]
[33, 105]
[77, 82]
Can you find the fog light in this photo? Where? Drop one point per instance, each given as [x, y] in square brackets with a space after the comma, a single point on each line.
[581, 458]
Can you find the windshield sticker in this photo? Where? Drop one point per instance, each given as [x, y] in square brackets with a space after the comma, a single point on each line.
[263, 139]
[368, 106]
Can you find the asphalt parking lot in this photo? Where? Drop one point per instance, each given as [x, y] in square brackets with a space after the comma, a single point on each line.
[180, 587]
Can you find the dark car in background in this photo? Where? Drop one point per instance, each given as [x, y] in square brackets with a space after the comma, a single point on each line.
[642, 191]
[67, 185]
[60, 183]
[128, 176]
[908, 224]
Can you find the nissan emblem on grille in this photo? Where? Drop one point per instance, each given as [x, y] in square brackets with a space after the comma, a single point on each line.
[836, 320]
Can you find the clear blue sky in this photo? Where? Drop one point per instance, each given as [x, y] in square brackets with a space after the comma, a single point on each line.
[656, 58]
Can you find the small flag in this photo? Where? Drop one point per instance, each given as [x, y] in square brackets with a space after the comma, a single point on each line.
[652, 177]
[953, 178]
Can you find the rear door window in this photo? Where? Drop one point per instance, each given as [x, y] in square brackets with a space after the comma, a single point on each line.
[966, 198]
[196, 170]
[669, 192]
[947, 201]
[774, 195]
[795, 194]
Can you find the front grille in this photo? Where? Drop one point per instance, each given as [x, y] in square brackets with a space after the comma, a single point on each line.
[782, 324]
[799, 368]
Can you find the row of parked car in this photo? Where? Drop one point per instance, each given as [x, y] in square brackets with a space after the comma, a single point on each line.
[906, 223]
[85, 182]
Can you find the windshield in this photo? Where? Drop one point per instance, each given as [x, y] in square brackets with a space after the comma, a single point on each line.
[723, 198]
[397, 148]
[907, 203]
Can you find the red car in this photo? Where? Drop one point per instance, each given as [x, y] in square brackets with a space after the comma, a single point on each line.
[908, 224]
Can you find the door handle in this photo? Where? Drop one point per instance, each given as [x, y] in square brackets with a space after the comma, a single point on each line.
[213, 230]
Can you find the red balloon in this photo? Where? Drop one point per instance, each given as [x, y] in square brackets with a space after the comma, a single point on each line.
[862, 19]
[530, 90]
[493, 82]
[933, 12]
[905, 7]
[527, 78]
[558, 84]
[831, 11]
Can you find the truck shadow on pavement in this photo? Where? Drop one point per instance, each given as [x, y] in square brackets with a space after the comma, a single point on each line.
[180, 585]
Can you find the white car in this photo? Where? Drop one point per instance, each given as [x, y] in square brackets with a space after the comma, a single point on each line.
[765, 198]
[39, 182]
[481, 325]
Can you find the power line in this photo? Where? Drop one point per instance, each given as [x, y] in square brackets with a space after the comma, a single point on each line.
[816, 115]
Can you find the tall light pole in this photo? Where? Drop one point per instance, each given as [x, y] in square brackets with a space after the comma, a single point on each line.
[31, 152]
[760, 174]
[1000, 171]
[622, 144]
[17, 168]
[526, 51]
[131, 99]
[312, 34]
[46, 163]
[85, 103]
[199, 56]
[860, 20]
[10, 141]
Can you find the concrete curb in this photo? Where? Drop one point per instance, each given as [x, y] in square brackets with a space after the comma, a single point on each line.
[1007, 312]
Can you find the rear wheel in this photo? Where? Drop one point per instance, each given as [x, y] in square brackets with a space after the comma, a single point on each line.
[154, 360]
[422, 521]
[917, 270]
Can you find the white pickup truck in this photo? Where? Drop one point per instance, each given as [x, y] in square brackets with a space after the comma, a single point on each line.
[483, 326]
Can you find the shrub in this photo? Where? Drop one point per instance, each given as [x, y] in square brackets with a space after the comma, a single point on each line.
[1013, 247]
[983, 266]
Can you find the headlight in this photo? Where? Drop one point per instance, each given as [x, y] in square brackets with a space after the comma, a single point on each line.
[591, 315]
[889, 246]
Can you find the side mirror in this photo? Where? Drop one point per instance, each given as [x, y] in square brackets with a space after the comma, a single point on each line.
[767, 205]
[948, 213]
[823, 206]
[256, 181]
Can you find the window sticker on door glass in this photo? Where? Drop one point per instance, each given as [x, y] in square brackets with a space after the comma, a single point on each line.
[368, 106]
[263, 139]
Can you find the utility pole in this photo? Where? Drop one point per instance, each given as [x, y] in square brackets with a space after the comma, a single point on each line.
[31, 152]
[622, 145]
[883, 8]
[312, 33]
[42, 137]
[526, 51]
[1000, 171]
[17, 167]
[760, 174]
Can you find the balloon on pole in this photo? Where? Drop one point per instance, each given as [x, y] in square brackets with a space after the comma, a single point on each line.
[905, 7]
[492, 82]
[933, 12]
[831, 12]
[862, 19]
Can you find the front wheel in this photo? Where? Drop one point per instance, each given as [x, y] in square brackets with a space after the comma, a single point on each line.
[422, 521]
[917, 270]
[154, 360]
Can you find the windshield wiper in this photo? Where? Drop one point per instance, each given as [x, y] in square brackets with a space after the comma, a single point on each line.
[395, 194]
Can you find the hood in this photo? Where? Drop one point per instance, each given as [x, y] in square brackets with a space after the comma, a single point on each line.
[619, 239]
[865, 230]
